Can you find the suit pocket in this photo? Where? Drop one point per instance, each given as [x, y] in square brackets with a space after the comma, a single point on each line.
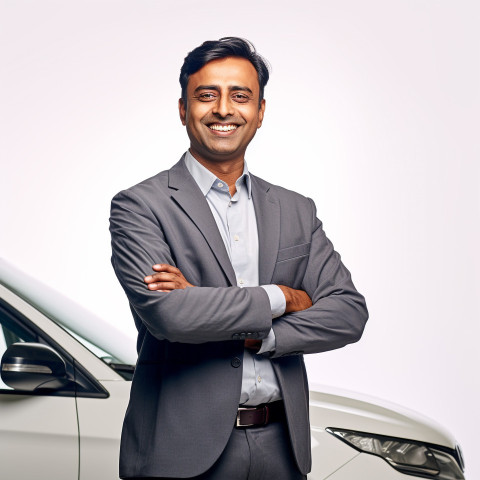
[292, 253]
[291, 265]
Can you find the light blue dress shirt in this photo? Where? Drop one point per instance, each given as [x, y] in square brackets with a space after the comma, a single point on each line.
[236, 222]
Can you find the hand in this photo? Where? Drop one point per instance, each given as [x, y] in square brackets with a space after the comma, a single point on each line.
[296, 300]
[166, 279]
[253, 344]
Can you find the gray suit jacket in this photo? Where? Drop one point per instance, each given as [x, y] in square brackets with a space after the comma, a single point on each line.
[187, 382]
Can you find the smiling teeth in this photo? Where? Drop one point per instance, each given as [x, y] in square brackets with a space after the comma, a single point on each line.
[223, 128]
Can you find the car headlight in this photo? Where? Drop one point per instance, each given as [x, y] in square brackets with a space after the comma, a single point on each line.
[407, 456]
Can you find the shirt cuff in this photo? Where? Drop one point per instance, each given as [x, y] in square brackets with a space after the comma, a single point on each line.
[278, 303]
[268, 344]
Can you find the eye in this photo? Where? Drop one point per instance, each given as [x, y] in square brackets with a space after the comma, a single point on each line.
[240, 98]
[206, 96]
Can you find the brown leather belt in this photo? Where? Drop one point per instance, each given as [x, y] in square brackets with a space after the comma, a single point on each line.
[261, 415]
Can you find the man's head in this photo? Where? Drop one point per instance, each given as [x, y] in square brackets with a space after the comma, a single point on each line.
[222, 102]
[216, 49]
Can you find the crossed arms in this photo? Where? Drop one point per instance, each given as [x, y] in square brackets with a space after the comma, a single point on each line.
[181, 313]
[168, 278]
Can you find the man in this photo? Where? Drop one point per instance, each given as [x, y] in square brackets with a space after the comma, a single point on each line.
[230, 280]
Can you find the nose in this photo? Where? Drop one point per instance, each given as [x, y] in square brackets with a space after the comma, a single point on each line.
[223, 106]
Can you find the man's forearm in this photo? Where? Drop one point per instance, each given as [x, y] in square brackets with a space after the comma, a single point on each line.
[329, 324]
[168, 278]
[199, 314]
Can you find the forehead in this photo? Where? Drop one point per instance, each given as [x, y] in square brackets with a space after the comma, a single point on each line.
[226, 72]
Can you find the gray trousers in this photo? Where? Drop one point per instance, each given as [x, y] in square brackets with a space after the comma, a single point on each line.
[261, 453]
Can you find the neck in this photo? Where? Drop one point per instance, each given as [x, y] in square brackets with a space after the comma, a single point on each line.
[229, 171]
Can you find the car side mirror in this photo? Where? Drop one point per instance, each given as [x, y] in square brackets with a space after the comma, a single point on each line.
[31, 366]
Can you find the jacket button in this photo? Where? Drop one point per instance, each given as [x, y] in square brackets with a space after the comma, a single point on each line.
[236, 362]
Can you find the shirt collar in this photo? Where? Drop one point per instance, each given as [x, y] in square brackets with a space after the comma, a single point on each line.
[205, 178]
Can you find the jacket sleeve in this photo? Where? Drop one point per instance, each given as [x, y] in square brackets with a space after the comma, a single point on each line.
[338, 314]
[190, 315]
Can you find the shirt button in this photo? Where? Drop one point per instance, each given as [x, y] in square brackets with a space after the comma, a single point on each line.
[236, 362]
[219, 184]
[240, 281]
[259, 378]
[230, 203]
[236, 238]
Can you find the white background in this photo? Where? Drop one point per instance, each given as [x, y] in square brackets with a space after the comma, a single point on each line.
[372, 110]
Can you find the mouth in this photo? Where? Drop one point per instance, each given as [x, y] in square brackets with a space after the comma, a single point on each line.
[223, 127]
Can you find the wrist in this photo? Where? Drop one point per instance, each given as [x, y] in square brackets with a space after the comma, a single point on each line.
[287, 292]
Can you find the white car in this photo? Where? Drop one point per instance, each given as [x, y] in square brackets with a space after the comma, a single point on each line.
[65, 385]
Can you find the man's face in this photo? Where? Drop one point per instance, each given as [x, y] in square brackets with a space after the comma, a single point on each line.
[222, 112]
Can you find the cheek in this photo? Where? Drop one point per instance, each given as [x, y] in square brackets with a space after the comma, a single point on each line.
[199, 110]
[255, 122]
[254, 117]
[194, 126]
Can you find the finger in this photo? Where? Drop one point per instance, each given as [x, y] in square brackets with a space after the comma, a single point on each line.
[162, 286]
[160, 277]
[164, 267]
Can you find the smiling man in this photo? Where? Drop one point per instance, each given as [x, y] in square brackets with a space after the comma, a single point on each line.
[230, 281]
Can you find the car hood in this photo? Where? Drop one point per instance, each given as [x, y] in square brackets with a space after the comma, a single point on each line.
[337, 408]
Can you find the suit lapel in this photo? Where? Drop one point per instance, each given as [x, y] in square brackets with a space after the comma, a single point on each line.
[267, 211]
[187, 194]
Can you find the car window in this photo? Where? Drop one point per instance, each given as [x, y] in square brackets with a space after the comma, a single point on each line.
[95, 349]
[123, 369]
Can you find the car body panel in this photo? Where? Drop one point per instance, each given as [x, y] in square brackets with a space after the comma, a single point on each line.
[38, 437]
[375, 468]
[328, 453]
[100, 428]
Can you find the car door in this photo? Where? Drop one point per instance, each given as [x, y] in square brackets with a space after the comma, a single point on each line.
[38, 432]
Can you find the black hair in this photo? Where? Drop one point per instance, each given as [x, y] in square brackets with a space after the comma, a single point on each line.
[225, 47]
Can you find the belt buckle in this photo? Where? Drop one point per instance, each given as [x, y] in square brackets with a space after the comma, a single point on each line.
[242, 409]
[239, 411]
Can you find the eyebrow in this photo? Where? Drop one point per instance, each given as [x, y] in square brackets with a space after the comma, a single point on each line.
[217, 88]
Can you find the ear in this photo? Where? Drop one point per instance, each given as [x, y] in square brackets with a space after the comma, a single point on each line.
[261, 113]
[182, 111]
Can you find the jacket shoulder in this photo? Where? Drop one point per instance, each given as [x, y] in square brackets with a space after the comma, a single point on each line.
[157, 183]
[282, 193]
